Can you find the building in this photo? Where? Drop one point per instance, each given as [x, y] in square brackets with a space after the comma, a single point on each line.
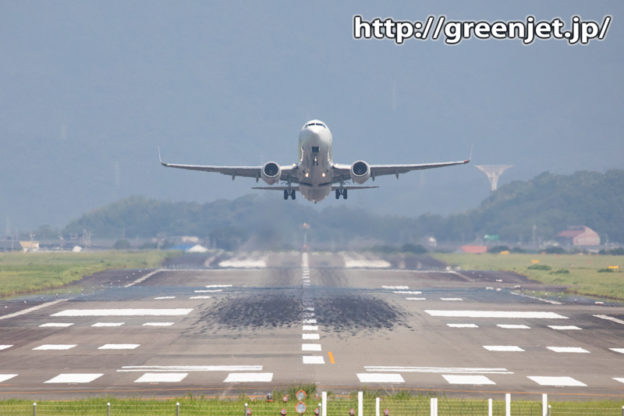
[29, 246]
[579, 236]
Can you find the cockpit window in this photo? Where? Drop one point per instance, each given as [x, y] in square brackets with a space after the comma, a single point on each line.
[315, 124]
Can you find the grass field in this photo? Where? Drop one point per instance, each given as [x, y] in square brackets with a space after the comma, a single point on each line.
[22, 273]
[398, 405]
[579, 272]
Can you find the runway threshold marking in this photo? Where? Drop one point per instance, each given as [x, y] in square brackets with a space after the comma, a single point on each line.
[34, 308]
[54, 347]
[503, 348]
[618, 350]
[161, 378]
[75, 378]
[619, 379]
[468, 380]
[123, 312]
[313, 359]
[4, 347]
[574, 350]
[107, 324]
[513, 326]
[380, 378]
[437, 370]
[5, 377]
[187, 368]
[331, 357]
[556, 381]
[119, 347]
[249, 378]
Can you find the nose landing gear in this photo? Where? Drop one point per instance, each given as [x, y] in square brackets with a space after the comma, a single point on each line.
[292, 194]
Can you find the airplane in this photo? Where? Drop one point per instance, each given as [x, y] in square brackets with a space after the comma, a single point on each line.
[315, 175]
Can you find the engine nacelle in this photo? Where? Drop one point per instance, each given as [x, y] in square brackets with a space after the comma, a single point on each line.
[360, 172]
[271, 172]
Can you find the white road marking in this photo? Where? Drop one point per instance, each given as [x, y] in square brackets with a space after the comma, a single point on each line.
[513, 326]
[310, 347]
[437, 370]
[249, 378]
[217, 286]
[158, 323]
[164, 297]
[56, 325]
[243, 263]
[407, 292]
[576, 350]
[610, 318]
[208, 290]
[619, 350]
[552, 302]
[161, 378]
[463, 379]
[495, 314]
[452, 299]
[564, 327]
[309, 321]
[5, 377]
[54, 347]
[503, 348]
[187, 368]
[124, 312]
[34, 308]
[119, 347]
[619, 379]
[307, 315]
[411, 298]
[144, 278]
[75, 378]
[310, 336]
[200, 297]
[313, 359]
[395, 287]
[380, 378]
[5, 347]
[310, 328]
[556, 381]
[107, 324]
[309, 308]
[462, 325]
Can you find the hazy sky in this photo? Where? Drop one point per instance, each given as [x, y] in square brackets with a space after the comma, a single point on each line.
[90, 89]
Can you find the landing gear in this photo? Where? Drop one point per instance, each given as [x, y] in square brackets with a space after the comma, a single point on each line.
[337, 193]
[341, 191]
[290, 194]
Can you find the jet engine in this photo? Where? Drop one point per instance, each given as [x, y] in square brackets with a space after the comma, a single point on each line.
[271, 172]
[360, 172]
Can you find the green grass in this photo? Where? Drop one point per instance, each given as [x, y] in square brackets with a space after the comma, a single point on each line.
[23, 273]
[581, 273]
[398, 405]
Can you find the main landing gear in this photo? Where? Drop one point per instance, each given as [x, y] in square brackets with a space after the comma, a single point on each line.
[341, 191]
[290, 193]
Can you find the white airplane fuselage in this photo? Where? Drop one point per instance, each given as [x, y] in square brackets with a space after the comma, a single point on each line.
[315, 161]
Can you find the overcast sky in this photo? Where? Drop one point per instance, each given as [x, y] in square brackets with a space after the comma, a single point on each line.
[90, 89]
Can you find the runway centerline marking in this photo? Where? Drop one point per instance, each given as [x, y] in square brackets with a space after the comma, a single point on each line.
[313, 359]
[451, 299]
[310, 336]
[310, 328]
[54, 347]
[311, 347]
[437, 370]
[411, 298]
[249, 378]
[564, 327]
[158, 324]
[164, 297]
[119, 347]
[380, 378]
[208, 290]
[124, 312]
[309, 321]
[75, 378]
[5, 377]
[56, 325]
[407, 292]
[494, 314]
[467, 380]
[187, 368]
[556, 381]
[513, 326]
[574, 350]
[200, 297]
[107, 324]
[503, 348]
[462, 325]
[161, 378]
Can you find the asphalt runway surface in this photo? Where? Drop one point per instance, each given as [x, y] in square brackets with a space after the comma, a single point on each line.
[342, 321]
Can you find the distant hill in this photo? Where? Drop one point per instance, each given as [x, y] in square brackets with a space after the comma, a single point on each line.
[550, 202]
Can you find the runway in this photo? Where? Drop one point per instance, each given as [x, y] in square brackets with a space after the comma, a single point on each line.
[342, 321]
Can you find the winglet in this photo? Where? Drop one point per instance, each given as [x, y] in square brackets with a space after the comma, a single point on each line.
[159, 157]
[470, 155]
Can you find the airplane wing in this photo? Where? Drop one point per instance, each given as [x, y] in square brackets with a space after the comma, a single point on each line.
[233, 171]
[296, 187]
[342, 172]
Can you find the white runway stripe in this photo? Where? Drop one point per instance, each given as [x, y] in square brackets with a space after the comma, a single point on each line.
[5, 377]
[310, 336]
[494, 314]
[380, 378]
[187, 368]
[452, 299]
[5, 347]
[437, 370]
[313, 359]
[29, 310]
[310, 347]
[249, 378]
[208, 290]
[161, 378]
[309, 321]
[564, 327]
[310, 328]
[158, 324]
[217, 286]
[576, 350]
[54, 347]
[619, 379]
[610, 318]
[462, 325]
[56, 325]
[470, 380]
[164, 297]
[200, 297]
[618, 350]
[556, 381]
[125, 312]
[412, 298]
[512, 326]
[395, 287]
[107, 324]
[119, 347]
[74, 378]
[503, 348]
[407, 292]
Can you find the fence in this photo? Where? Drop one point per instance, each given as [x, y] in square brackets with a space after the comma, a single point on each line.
[353, 405]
